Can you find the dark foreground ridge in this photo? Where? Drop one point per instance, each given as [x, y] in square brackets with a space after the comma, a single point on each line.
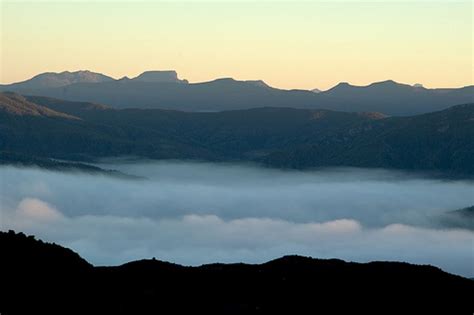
[43, 278]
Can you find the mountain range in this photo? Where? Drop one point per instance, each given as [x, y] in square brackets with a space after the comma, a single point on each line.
[277, 137]
[45, 278]
[53, 80]
[163, 90]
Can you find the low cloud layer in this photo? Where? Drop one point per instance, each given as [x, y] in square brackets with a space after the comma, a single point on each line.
[194, 213]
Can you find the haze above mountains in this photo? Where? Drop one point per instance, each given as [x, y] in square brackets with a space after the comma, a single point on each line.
[164, 90]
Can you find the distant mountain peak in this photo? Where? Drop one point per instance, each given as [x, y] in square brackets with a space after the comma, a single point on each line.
[59, 79]
[159, 76]
[124, 78]
[390, 85]
[341, 86]
[385, 82]
[229, 81]
[78, 72]
[224, 79]
[75, 76]
[316, 91]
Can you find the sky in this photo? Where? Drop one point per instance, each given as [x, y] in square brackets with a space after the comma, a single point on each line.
[195, 213]
[288, 44]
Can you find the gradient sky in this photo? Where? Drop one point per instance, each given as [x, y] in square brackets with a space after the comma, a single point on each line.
[288, 44]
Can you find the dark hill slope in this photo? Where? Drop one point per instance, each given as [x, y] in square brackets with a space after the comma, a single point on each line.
[232, 135]
[15, 104]
[439, 141]
[80, 139]
[277, 137]
[48, 279]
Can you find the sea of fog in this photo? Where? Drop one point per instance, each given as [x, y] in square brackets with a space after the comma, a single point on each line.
[195, 213]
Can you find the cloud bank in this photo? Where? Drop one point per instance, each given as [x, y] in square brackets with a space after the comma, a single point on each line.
[194, 213]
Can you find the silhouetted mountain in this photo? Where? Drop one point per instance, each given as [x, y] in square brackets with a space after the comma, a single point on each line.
[159, 77]
[394, 98]
[53, 80]
[277, 137]
[163, 89]
[46, 278]
[217, 95]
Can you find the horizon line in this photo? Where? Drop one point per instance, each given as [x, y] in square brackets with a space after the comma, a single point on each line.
[418, 84]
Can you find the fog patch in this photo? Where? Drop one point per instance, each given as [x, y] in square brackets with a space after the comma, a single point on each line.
[194, 213]
[37, 210]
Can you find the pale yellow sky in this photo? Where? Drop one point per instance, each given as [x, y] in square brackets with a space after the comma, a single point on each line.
[287, 44]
